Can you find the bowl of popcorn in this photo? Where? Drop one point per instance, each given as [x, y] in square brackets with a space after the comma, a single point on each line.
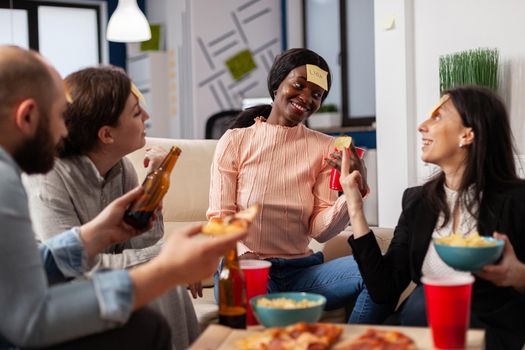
[283, 309]
[470, 252]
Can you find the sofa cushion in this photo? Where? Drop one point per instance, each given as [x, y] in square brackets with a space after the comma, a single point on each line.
[187, 201]
[187, 198]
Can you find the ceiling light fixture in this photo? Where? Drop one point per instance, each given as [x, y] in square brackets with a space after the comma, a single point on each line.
[128, 24]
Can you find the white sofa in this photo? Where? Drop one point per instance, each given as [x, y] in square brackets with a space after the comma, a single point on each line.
[187, 201]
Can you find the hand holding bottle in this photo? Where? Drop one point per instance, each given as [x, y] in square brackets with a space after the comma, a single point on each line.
[108, 227]
[155, 186]
[154, 157]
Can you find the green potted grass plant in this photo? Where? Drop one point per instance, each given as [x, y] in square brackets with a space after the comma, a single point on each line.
[471, 67]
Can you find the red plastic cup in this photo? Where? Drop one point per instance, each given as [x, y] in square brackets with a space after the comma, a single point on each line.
[336, 174]
[448, 309]
[256, 275]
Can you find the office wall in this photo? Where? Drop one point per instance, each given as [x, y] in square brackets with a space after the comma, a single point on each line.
[407, 77]
[201, 36]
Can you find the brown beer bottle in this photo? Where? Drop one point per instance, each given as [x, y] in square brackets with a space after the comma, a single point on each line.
[232, 292]
[155, 186]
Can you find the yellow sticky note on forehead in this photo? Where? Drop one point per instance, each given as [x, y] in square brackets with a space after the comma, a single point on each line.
[442, 100]
[317, 76]
[135, 91]
[69, 98]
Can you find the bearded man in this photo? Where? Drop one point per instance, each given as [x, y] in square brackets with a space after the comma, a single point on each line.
[40, 306]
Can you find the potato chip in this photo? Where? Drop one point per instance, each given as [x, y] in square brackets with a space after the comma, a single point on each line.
[471, 240]
[343, 142]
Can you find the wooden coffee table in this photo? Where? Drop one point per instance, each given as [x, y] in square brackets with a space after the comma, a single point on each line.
[222, 338]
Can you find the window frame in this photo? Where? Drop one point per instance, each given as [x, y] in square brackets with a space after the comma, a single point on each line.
[347, 120]
[31, 6]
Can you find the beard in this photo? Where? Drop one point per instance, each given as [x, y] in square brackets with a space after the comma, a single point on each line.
[37, 155]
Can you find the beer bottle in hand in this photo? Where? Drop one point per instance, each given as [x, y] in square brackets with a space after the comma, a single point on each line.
[232, 293]
[155, 186]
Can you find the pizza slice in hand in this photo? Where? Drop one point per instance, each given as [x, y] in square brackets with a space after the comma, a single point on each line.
[237, 222]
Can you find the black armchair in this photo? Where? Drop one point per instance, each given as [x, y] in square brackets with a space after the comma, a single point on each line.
[218, 123]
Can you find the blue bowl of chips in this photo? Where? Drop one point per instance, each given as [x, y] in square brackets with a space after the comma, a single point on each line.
[283, 309]
[479, 252]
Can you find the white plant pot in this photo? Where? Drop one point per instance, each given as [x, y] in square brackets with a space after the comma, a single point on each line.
[325, 120]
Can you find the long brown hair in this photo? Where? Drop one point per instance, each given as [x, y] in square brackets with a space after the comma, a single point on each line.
[98, 95]
[490, 163]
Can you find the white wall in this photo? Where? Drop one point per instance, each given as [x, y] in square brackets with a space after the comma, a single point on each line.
[394, 105]
[407, 77]
[470, 24]
[294, 23]
[200, 36]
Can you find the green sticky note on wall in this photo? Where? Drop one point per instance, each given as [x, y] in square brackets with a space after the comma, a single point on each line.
[241, 64]
[152, 44]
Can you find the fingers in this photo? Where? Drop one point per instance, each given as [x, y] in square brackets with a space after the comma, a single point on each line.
[220, 244]
[345, 163]
[196, 290]
[354, 151]
[129, 197]
[193, 290]
[334, 164]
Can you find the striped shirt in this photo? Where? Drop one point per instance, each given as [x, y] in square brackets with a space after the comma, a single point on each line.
[283, 169]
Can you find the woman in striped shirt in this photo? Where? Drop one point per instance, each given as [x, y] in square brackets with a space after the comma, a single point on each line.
[280, 163]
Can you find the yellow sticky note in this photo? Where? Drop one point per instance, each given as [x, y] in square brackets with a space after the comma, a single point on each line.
[317, 76]
[135, 91]
[442, 100]
[69, 99]
[388, 23]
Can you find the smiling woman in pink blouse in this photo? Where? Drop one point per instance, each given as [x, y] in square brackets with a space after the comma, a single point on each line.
[280, 163]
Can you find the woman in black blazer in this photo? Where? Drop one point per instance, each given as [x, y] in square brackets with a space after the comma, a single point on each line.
[468, 136]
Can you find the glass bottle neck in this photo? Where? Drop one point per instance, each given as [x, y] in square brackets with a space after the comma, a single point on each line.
[169, 161]
[231, 258]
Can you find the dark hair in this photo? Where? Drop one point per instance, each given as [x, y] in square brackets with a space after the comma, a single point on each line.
[490, 161]
[98, 97]
[282, 65]
[24, 74]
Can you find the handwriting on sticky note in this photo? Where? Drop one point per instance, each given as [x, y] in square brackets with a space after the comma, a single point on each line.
[317, 76]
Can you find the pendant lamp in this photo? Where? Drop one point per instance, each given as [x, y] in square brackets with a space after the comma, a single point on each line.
[128, 24]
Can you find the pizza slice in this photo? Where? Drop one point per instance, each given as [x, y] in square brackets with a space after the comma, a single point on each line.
[237, 222]
[374, 339]
[299, 336]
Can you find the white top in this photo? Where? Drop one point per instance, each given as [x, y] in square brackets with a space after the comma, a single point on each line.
[433, 265]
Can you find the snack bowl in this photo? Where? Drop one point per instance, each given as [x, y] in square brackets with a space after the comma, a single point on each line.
[470, 258]
[275, 314]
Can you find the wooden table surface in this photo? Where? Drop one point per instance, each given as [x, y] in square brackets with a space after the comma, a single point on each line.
[222, 338]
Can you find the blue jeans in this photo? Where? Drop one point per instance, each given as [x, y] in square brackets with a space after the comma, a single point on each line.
[338, 280]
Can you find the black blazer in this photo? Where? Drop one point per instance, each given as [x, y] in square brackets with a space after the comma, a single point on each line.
[387, 276]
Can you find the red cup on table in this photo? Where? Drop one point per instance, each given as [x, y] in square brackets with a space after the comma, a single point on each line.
[336, 174]
[448, 309]
[256, 275]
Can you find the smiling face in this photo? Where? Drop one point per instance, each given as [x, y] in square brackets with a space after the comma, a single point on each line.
[445, 139]
[295, 99]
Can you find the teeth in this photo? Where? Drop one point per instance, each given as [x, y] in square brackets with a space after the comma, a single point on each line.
[299, 107]
[426, 142]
